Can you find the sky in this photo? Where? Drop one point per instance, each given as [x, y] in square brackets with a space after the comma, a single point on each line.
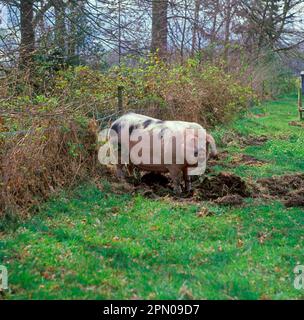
[3, 16]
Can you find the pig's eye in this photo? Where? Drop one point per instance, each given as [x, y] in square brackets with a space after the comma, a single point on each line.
[195, 153]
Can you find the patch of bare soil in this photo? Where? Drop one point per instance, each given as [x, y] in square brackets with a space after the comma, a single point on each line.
[295, 199]
[221, 185]
[154, 186]
[222, 188]
[254, 140]
[282, 185]
[247, 160]
[237, 159]
[297, 124]
[229, 189]
[219, 160]
[236, 139]
[288, 188]
[225, 188]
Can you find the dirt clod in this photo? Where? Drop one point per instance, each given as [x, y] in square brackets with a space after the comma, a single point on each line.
[283, 185]
[295, 199]
[228, 189]
[221, 185]
[289, 188]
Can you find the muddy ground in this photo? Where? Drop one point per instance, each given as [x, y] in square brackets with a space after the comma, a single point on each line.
[229, 189]
[224, 188]
[236, 139]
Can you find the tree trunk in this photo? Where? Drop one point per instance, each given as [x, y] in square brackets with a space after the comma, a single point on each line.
[27, 46]
[76, 37]
[159, 27]
[195, 25]
[72, 41]
[60, 29]
[227, 30]
[183, 35]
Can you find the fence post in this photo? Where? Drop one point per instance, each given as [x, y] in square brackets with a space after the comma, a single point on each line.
[3, 278]
[263, 89]
[119, 98]
[300, 104]
[302, 81]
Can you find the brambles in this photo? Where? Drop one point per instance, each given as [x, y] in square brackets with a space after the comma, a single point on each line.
[206, 94]
[53, 155]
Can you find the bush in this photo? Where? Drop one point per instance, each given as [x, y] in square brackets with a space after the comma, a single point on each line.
[54, 154]
[206, 94]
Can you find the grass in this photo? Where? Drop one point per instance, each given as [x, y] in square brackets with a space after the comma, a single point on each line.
[96, 244]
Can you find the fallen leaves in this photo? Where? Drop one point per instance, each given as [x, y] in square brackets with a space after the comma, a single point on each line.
[154, 228]
[240, 243]
[230, 200]
[205, 212]
[185, 292]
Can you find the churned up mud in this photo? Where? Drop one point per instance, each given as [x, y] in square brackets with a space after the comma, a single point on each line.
[222, 188]
[220, 185]
[288, 188]
[228, 189]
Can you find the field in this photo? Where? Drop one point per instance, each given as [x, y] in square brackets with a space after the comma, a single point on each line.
[101, 242]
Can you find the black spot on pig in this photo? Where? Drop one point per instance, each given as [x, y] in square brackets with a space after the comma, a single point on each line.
[116, 127]
[147, 123]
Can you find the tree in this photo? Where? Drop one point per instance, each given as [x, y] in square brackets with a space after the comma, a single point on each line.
[195, 25]
[27, 46]
[159, 27]
[60, 27]
[271, 23]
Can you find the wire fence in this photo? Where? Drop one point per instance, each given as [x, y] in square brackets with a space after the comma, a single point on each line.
[103, 119]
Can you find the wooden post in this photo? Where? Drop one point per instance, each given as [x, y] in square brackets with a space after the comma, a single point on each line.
[119, 98]
[300, 105]
[263, 89]
[302, 81]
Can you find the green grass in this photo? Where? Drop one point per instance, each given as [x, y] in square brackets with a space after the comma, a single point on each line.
[284, 150]
[100, 245]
